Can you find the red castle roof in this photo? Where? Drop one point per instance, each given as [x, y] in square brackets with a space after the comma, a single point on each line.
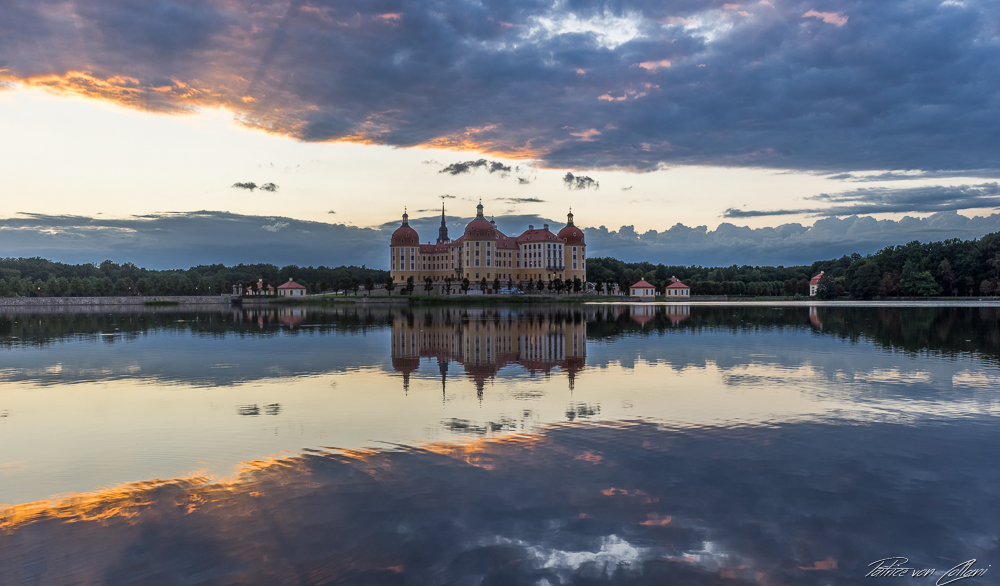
[535, 235]
[290, 285]
[815, 280]
[643, 285]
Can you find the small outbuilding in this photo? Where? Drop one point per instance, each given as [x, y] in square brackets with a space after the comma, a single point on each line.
[291, 289]
[677, 289]
[814, 284]
[642, 289]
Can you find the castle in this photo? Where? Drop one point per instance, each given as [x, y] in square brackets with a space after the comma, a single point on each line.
[484, 252]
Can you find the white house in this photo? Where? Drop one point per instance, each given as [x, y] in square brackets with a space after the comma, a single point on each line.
[814, 284]
[642, 289]
[291, 289]
[677, 289]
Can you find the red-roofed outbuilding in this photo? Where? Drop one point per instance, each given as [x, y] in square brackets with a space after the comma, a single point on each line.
[642, 289]
[814, 284]
[291, 289]
[677, 289]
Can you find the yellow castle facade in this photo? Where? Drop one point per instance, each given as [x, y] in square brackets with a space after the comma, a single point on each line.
[484, 252]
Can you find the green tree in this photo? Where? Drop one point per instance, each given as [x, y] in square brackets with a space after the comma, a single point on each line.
[924, 285]
[496, 283]
[164, 286]
[916, 282]
[947, 276]
[124, 286]
[447, 284]
[825, 288]
[369, 285]
[105, 286]
[428, 285]
[409, 285]
[889, 284]
[144, 286]
[184, 286]
[16, 286]
[577, 285]
[483, 285]
[866, 279]
[466, 284]
[390, 284]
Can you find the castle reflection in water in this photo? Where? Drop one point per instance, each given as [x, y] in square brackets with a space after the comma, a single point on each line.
[486, 340]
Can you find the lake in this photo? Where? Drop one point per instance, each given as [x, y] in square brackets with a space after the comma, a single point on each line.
[562, 444]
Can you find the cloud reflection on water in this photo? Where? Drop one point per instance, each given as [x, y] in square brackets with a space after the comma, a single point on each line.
[635, 502]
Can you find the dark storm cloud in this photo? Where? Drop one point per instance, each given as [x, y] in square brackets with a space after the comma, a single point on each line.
[523, 181]
[909, 176]
[469, 166]
[520, 199]
[271, 187]
[843, 87]
[579, 182]
[876, 200]
[787, 244]
[181, 240]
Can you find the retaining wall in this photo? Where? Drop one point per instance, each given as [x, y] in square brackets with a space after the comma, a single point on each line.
[130, 300]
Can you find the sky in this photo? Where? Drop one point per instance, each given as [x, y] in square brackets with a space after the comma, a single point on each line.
[684, 132]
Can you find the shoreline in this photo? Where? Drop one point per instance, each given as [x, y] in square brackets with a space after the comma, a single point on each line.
[216, 301]
[167, 300]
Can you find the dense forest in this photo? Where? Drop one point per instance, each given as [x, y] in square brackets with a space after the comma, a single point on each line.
[950, 268]
[40, 277]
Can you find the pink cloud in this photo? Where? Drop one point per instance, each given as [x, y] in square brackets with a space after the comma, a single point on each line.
[731, 6]
[587, 135]
[677, 20]
[835, 18]
[654, 65]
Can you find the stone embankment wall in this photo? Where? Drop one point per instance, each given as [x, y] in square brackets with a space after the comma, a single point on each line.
[131, 300]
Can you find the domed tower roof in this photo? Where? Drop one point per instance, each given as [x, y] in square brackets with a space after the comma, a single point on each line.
[480, 228]
[404, 234]
[571, 234]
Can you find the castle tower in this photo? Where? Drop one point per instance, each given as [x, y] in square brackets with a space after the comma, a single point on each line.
[576, 250]
[404, 252]
[443, 230]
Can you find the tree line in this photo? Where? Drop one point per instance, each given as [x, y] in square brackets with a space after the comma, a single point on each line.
[950, 267]
[38, 277]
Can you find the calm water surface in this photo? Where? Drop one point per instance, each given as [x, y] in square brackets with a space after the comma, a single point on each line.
[556, 445]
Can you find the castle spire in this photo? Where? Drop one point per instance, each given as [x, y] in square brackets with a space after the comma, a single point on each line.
[443, 230]
[479, 211]
[406, 218]
[569, 217]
